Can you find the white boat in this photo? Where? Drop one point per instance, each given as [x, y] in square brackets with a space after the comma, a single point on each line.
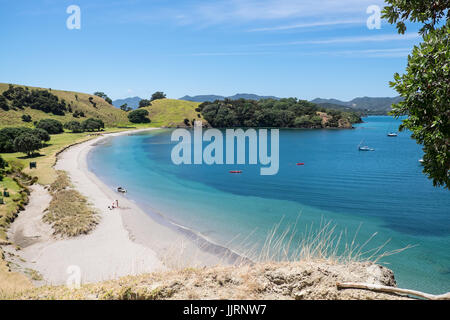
[364, 148]
[392, 134]
[421, 160]
[121, 190]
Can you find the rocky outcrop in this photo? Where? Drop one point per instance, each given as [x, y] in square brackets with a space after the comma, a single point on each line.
[288, 280]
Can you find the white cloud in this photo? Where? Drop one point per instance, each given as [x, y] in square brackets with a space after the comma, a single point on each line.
[372, 53]
[308, 25]
[358, 39]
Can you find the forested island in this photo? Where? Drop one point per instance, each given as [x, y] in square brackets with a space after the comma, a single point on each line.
[283, 113]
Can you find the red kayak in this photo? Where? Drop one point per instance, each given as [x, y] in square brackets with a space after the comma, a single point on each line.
[235, 171]
[300, 164]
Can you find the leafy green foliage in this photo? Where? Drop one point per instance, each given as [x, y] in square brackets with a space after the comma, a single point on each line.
[428, 12]
[41, 134]
[426, 89]
[36, 99]
[74, 126]
[7, 136]
[283, 113]
[27, 143]
[158, 95]
[26, 118]
[78, 114]
[93, 124]
[103, 96]
[51, 126]
[144, 103]
[425, 86]
[4, 103]
[3, 163]
[125, 107]
[139, 116]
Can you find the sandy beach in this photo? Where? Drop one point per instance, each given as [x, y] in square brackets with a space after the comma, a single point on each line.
[126, 241]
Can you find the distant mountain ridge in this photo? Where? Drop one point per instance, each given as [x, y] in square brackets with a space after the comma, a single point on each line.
[365, 104]
[132, 102]
[212, 97]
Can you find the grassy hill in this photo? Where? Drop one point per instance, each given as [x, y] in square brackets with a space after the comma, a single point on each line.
[166, 112]
[171, 112]
[79, 102]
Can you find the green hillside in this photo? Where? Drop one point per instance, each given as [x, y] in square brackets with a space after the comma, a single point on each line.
[171, 112]
[166, 112]
[77, 101]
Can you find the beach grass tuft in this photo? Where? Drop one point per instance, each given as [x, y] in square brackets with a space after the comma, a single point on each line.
[69, 213]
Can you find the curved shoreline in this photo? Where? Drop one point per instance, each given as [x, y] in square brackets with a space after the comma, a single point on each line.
[127, 241]
[135, 227]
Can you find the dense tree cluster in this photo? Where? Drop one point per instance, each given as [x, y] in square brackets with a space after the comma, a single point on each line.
[425, 86]
[103, 96]
[78, 114]
[139, 116]
[125, 107]
[158, 95]
[74, 126]
[3, 165]
[92, 124]
[283, 113]
[144, 103]
[27, 143]
[26, 118]
[51, 126]
[18, 98]
[8, 137]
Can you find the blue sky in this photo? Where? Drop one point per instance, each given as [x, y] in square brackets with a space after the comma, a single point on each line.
[298, 48]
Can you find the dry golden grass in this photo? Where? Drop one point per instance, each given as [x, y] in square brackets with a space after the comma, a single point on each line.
[321, 243]
[284, 280]
[69, 213]
[61, 182]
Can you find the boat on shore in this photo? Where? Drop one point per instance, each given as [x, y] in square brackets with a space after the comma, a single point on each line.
[121, 190]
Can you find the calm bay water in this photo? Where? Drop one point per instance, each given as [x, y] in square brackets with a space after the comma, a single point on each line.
[382, 191]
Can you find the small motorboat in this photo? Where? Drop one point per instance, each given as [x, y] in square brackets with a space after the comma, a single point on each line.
[421, 160]
[121, 190]
[235, 171]
[365, 148]
[301, 164]
[392, 134]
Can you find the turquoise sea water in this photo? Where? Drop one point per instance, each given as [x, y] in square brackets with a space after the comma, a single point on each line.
[382, 191]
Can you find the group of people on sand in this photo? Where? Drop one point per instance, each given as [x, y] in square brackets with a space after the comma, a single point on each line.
[114, 205]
